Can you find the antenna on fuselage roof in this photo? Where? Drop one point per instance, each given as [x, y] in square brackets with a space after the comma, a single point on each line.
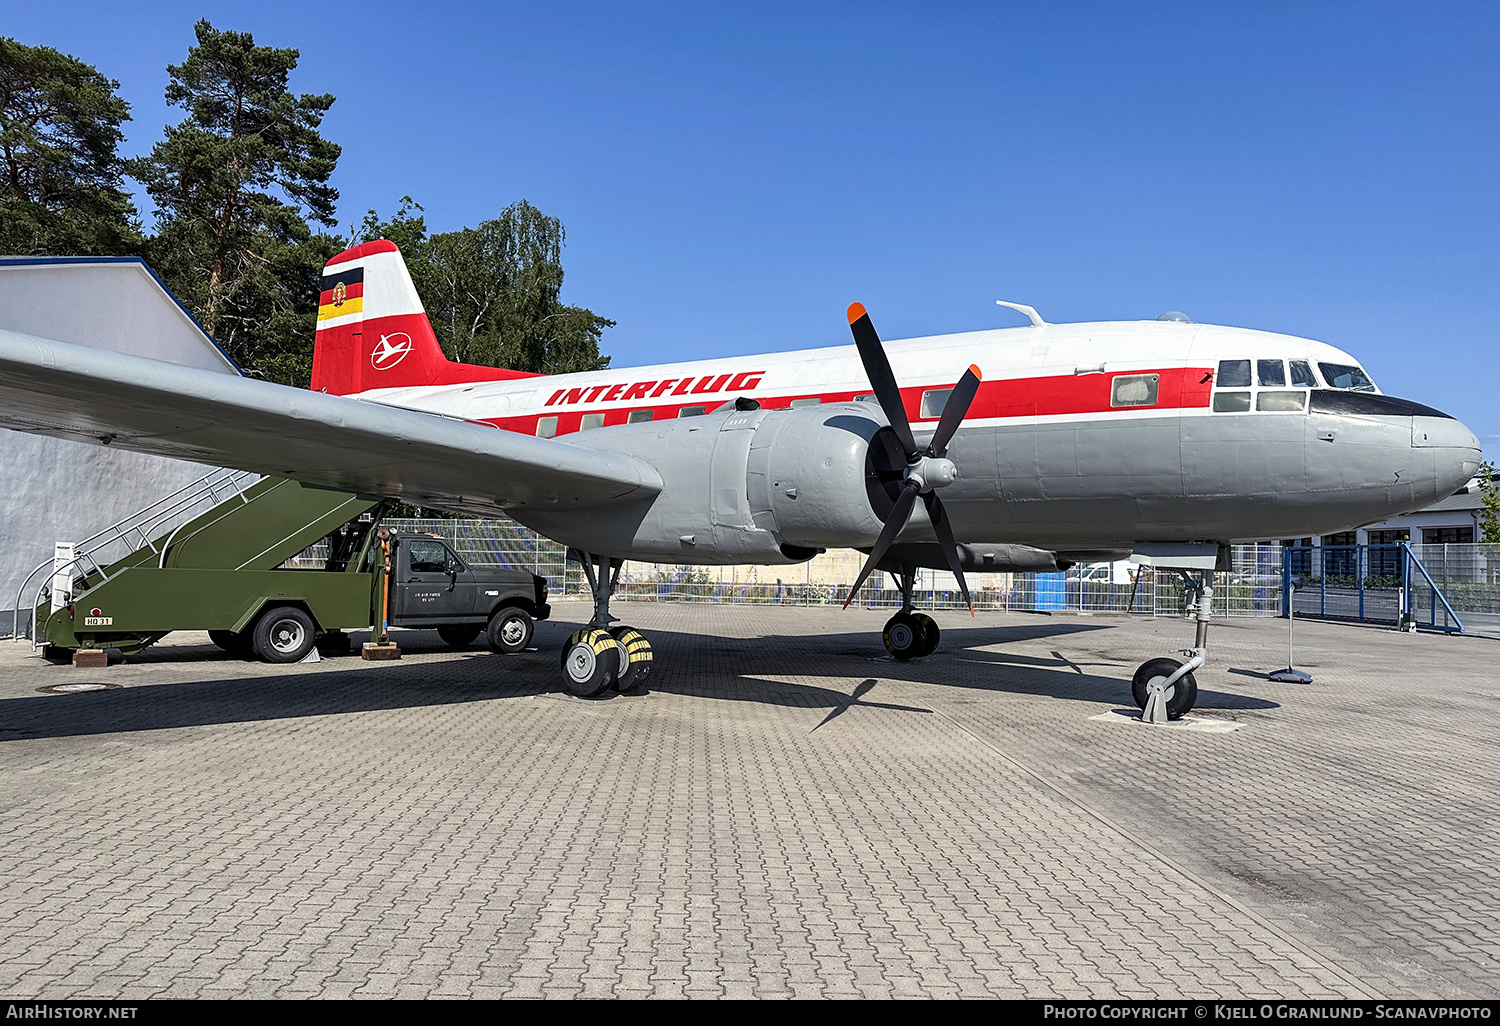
[1029, 311]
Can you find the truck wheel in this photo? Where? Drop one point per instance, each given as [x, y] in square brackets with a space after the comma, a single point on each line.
[458, 634]
[283, 635]
[509, 630]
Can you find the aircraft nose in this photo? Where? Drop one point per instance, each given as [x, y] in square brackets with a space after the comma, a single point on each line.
[1458, 448]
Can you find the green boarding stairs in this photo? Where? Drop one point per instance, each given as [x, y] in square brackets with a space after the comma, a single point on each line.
[227, 520]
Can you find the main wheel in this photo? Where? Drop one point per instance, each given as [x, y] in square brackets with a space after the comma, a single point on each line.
[283, 635]
[509, 630]
[459, 634]
[1181, 696]
[930, 633]
[590, 661]
[902, 636]
[636, 658]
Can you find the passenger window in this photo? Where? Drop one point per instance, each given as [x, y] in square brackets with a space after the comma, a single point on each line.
[1284, 402]
[1272, 373]
[1302, 375]
[811, 400]
[428, 557]
[591, 420]
[639, 416]
[546, 427]
[868, 397]
[1134, 390]
[1233, 374]
[933, 401]
[1232, 402]
[692, 411]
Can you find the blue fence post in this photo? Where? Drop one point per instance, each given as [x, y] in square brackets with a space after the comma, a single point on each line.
[1361, 557]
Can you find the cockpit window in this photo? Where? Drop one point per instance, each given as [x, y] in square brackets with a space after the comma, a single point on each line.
[1302, 375]
[1271, 373]
[1342, 375]
[1233, 374]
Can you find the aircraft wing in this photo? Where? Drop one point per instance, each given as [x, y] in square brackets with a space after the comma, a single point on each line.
[144, 405]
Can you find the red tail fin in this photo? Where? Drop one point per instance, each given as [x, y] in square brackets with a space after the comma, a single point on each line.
[373, 332]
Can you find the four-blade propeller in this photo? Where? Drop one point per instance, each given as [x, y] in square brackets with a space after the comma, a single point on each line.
[927, 469]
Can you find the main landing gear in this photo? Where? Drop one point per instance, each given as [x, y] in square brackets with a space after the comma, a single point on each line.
[909, 634]
[1165, 688]
[600, 657]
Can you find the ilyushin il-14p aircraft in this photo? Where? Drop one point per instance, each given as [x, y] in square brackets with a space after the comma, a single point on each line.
[1015, 449]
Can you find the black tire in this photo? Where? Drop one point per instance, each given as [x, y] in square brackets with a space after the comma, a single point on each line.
[590, 661]
[1182, 696]
[902, 636]
[930, 633]
[283, 635]
[510, 630]
[636, 659]
[459, 635]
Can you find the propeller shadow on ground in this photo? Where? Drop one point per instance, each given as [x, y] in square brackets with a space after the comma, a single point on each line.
[761, 668]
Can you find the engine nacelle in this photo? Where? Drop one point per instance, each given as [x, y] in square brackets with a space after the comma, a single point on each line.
[750, 486]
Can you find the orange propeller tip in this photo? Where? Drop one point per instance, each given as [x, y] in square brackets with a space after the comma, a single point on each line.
[977, 372]
[856, 311]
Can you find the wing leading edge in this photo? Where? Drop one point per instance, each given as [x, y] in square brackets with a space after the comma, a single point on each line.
[130, 402]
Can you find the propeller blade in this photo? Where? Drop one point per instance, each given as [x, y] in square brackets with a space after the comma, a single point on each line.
[894, 522]
[882, 378]
[944, 530]
[955, 410]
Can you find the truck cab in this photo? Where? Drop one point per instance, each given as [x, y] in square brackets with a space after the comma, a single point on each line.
[431, 586]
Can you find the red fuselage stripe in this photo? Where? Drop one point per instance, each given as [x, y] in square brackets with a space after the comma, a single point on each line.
[1058, 395]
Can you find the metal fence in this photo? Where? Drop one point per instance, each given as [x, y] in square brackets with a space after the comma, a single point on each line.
[1251, 588]
[1442, 587]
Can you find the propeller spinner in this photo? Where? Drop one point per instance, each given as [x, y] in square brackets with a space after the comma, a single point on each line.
[927, 469]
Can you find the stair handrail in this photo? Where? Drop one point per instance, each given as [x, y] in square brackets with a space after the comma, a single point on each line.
[142, 522]
[166, 546]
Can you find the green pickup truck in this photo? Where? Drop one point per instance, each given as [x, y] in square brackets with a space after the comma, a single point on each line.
[242, 573]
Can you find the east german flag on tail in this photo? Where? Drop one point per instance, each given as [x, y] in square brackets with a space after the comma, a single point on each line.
[373, 333]
[343, 293]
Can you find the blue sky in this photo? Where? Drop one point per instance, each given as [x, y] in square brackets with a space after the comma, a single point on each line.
[732, 176]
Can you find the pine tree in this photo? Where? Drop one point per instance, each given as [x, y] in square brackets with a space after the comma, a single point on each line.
[63, 189]
[235, 184]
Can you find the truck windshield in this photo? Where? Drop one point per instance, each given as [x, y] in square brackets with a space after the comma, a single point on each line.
[1342, 375]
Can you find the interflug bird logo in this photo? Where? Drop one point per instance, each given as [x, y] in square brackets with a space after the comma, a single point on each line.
[390, 350]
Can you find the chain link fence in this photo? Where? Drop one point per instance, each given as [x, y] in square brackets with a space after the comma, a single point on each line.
[1252, 588]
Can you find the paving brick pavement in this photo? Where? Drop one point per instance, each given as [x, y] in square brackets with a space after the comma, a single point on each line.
[787, 813]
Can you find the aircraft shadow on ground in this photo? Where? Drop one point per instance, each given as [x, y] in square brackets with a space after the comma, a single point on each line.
[760, 668]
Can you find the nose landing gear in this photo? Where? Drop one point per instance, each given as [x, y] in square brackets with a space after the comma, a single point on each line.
[1165, 689]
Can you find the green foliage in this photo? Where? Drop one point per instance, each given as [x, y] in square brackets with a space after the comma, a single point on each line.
[492, 291]
[63, 191]
[1489, 502]
[235, 184]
